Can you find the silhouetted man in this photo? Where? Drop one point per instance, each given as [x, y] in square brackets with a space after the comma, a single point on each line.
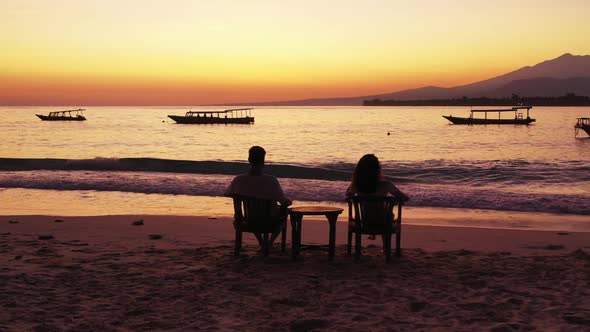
[255, 183]
[258, 185]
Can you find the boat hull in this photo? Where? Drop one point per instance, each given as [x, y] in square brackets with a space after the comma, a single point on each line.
[585, 128]
[210, 120]
[60, 118]
[476, 121]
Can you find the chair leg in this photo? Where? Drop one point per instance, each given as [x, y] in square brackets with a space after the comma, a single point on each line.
[349, 242]
[293, 238]
[284, 237]
[238, 242]
[258, 238]
[387, 246]
[398, 240]
[266, 244]
[358, 245]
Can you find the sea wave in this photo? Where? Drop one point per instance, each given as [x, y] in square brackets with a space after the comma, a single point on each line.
[168, 166]
[508, 172]
[459, 195]
[474, 172]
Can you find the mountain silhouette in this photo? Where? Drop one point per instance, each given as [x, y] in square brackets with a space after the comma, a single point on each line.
[544, 87]
[565, 74]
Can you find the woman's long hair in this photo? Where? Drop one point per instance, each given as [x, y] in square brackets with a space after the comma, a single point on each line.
[367, 174]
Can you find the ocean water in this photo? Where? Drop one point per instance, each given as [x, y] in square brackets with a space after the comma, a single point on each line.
[313, 150]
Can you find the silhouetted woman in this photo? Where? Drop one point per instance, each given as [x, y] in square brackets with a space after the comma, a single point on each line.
[368, 180]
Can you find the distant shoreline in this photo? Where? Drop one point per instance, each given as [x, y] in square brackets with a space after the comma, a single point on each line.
[563, 101]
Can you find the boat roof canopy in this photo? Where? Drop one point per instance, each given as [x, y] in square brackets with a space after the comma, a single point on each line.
[217, 112]
[67, 111]
[513, 109]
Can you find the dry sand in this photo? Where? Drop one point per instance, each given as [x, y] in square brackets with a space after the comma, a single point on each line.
[105, 274]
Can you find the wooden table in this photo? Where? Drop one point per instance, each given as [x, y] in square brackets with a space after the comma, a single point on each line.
[296, 214]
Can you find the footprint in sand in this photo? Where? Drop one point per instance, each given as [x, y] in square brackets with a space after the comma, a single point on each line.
[417, 306]
[576, 319]
[554, 247]
[308, 324]
[547, 247]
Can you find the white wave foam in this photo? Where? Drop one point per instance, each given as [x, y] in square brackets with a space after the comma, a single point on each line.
[458, 196]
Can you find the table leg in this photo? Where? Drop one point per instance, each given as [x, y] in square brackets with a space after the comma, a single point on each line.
[332, 247]
[299, 226]
[295, 234]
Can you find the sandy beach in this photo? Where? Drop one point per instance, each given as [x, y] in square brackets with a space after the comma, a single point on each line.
[133, 131]
[178, 273]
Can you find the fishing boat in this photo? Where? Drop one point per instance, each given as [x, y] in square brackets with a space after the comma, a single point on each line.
[69, 115]
[518, 119]
[584, 124]
[230, 116]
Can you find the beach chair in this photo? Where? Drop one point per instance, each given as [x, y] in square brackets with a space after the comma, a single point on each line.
[374, 215]
[260, 217]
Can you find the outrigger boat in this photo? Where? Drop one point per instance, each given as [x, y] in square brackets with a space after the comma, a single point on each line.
[584, 124]
[518, 117]
[69, 115]
[236, 115]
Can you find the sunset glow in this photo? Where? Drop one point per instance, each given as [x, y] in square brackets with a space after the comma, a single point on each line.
[184, 52]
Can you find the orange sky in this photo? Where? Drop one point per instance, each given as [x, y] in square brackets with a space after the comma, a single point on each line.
[184, 52]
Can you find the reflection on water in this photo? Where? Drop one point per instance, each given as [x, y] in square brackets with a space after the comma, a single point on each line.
[308, 135]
